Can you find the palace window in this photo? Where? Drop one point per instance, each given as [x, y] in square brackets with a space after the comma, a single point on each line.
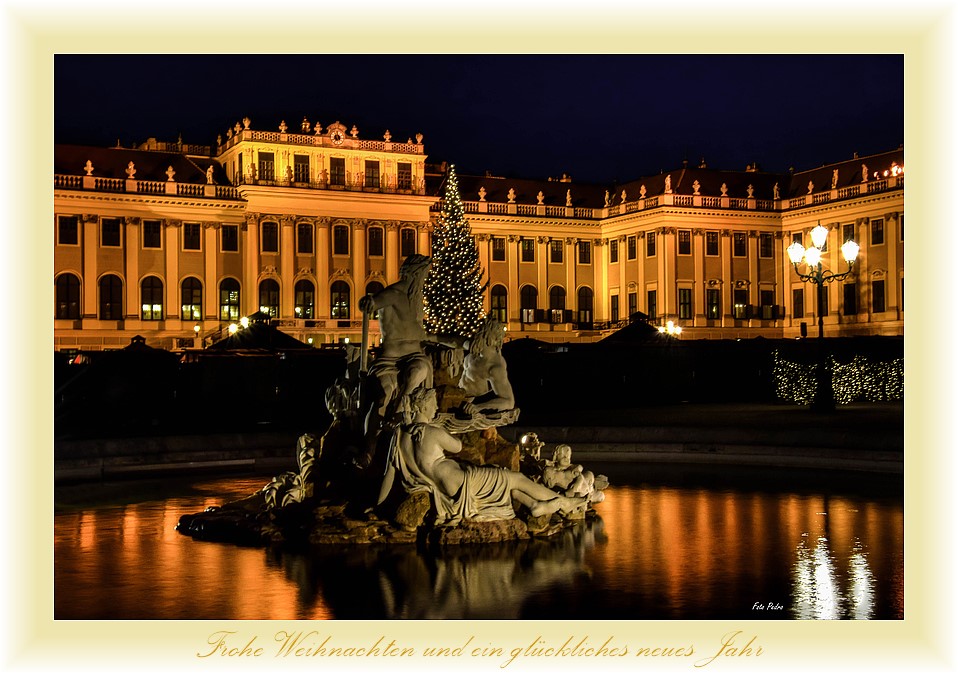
[191, 236]
[337, 171]
[713, 303]
[191, 299]
[151, 234]
[498, 249]
[878, 231]
[614, 308]
[68, 228]
[110, 232]
[340, 240]
[767, 301]
[798, 303]
[555, 251]
[339, 300]
[269, 297]
[739, 244]
[267, 166]
[585, 304]
[825, 303]
[373, 287]
[740, 304]
[304, 238]
[404, 172]
[798, 237]
[529, 302]
[765, 240]
[270, 240]
[685, 303]
[685, 242]
[407, 242]
[372, 173]
[848, 233]
[375, 235]
[304, 296]
[498, 301]
[850, 299]
[878, 296]
[633, 303]
[630, 247]
[301, 168]
[67, 296]
[585, 253]
[229, 238]
[528, 249]
[711, 243]
[229, 299]
[650, 244]
[556, 303]
[151, 299]
[111, 298]
[651, 299]
[613, 251]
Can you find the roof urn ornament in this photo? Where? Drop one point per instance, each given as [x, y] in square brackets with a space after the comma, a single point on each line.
[642, 193]
[751, 191]
[246, 122]
[237, 127]
[354, 132]
[219, 139]
[668, 184]
[695, 188]
[724, 189]
[88, 167]
[282, 126]
[568, 197]
[482, 194]
[317, 128]
[811, 187]
[131, 171]
[512, 196]
[304, 126]
[169, 174]
[775, 192]
[834, 178]
[864, 173]
[418, 139]
[540, 197]
[387, 136]
[229, 133]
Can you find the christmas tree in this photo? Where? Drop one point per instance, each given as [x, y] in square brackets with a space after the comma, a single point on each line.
[454, 287]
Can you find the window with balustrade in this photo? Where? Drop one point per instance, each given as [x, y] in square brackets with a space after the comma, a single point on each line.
[269, 297]
[528, 303]
[740, 309]
[584, 305]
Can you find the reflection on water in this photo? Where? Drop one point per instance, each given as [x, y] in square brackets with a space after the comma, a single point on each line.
[665, 549]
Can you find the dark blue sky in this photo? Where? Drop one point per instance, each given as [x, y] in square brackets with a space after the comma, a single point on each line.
[599, 118]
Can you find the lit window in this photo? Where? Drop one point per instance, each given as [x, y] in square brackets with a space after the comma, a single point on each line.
[713, 303]
[151, 299]
[685, 303]
[529, 303]
[498, 249]
[739, 244]
[555, 251]
[372, 173]
[613, 251]
[499, 304]
[269, 297]
[229, 300]
[339, 300]
[585, 253]
[585, 305]
[191, 300]
[303, 298]
[767, 299]
[337, 171]
[650, 244]
[740, 309]
[528, 249]
[556, 304]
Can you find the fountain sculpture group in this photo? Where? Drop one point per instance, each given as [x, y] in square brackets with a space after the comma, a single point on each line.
[413, 452]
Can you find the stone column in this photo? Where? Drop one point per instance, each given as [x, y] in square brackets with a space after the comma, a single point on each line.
[623, 285]
[571, 292]
[249, 248]
[211, 308]
[665, 249]
[422, 245]
[323, 254]
[542, 265]
[754, 290]
[698, 276]
[172, 229]
[131, 249]
[512, 262]
[728, 288]
[392, 252]
[287, 265]
[864, 275]
[358, 255]
[892, 278]
[600, 293]
[89, 225]
[482, 245]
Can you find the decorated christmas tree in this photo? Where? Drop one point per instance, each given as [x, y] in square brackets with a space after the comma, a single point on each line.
[454, 287]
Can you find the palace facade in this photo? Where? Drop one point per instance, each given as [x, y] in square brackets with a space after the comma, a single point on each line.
[177, 242]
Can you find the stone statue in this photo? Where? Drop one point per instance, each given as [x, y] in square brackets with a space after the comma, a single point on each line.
[209, 174]
[864, 173]
[289, 173]
[607, 198]
[459, 491]
[568, 198]
[724, 189]
[668, 184]
[775, 192]
[512, 196]
[561, 474]
[834, 178]
[484, 376]
[403, 365]
[811, 187]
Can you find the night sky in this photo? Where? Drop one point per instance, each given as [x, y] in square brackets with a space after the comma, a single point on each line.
[599, 118]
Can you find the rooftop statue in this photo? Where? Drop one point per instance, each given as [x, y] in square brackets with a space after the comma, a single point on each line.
[775, 192]
[834, 178]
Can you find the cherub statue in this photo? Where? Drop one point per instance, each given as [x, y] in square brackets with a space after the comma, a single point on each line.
[561, 474]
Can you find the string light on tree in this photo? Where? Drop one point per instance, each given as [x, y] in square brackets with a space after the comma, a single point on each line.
[454, 288]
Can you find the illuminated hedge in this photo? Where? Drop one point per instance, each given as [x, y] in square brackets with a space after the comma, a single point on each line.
[859, 380]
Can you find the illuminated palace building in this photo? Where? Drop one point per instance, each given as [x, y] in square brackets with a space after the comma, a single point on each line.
[175, 242]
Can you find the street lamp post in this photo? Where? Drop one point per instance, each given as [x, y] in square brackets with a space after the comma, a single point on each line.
[816, 273]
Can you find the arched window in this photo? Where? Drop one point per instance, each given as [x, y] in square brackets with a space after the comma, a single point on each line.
[585, 304]
[269, 297]
[111, 298]
[67, 296]
[229, 299]
[191, 299]
[556, 303]
[339, 300]
[498, 304]
[373, 287]
[528, 302]
[151, 299]
[375, 235]
[304, 295]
